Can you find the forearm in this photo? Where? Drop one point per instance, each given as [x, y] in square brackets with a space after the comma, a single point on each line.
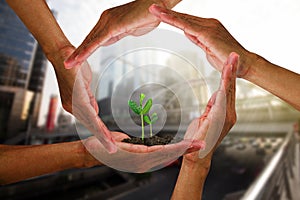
[171, 3]
[191, 179]
[19, 163]
[40, 21]
[279, 81]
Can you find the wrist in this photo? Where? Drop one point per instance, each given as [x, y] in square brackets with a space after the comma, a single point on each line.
[79, 153]
[247, 65]
[88, 159]
[202, 164]
[61, 53]
[170, 3]
[85, 158]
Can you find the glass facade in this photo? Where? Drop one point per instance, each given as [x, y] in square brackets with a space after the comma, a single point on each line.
[16, 45]
[38, 71]
[22, 71]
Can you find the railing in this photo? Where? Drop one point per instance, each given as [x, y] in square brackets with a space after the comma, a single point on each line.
[280, 180]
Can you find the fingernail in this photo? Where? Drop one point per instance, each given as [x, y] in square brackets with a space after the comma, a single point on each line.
[67, 64]
[76, 57]
[70, 63]
[156, 9]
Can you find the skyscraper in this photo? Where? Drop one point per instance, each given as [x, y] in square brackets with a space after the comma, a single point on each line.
[22, 72]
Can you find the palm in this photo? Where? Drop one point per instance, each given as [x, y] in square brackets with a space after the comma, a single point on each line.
[209, 34]
[77, 98]
[211, 127]
[219, 115]
[139, 158]
[114, 24]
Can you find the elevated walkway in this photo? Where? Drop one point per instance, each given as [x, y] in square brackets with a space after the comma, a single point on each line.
[280, 179]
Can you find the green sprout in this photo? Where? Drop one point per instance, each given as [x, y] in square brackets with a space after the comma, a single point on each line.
[151, 120]
[140, 109]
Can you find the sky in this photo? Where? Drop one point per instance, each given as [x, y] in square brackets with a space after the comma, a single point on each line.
[269, 28]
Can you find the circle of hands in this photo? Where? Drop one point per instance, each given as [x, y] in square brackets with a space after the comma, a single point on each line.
[204, 133]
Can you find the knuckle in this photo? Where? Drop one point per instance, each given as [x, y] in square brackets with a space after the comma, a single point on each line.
[214, 22]
[215, 25]
[106, 13]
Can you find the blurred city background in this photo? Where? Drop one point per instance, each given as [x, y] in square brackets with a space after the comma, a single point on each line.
[259, 159]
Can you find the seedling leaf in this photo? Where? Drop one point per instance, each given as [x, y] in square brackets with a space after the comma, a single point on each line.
[143, 111]
[147, 119]
[147, 107]
[154, 118]
[142, 97]
[134, 107]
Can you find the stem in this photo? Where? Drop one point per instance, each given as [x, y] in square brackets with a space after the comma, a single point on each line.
[151, 130]
[142, 119]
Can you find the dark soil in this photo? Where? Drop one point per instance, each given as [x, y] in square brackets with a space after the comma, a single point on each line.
[151, 141]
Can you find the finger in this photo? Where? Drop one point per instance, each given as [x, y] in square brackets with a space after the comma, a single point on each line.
[168, 16]
[224, 105]
[185, 145]
[195, 146]
[209, 104]
[215, 120]
[195, 28]
[138, 148]
[103, 134]
[226, 92]
[93, 101]
[195, 40]
[229, 71]
[189, 145]
[87, 115]
[155, 148]
[85, 75]
[161, 12]
[197, 129]
[80, 54]
[228, 83]
[176, 19]
[118, 136]
[87, 47]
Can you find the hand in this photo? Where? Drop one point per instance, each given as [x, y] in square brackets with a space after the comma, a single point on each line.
[221, 104]
[189, 145]
[139, 158]
[209, 34]
[77, 98]
[115, 23]
[212, 127]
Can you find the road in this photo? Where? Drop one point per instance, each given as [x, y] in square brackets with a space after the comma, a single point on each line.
[235, 165]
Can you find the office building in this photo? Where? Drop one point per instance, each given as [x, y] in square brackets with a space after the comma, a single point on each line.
[22, 72]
